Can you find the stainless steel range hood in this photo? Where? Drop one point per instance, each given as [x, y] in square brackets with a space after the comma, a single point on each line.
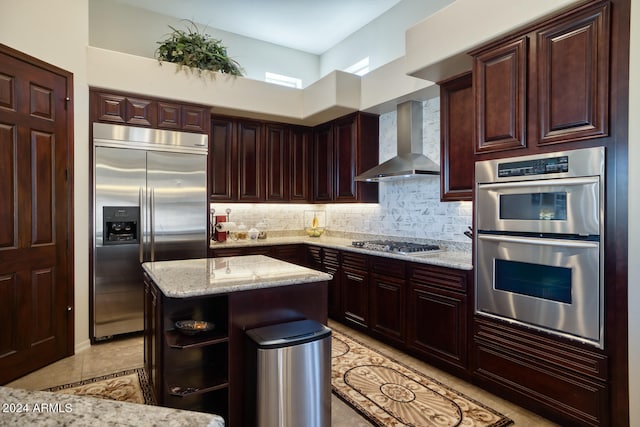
[409, 161]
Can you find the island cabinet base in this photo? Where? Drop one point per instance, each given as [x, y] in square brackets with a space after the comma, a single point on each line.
[206, 371]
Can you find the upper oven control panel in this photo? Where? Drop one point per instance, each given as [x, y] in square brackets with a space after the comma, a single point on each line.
[539, 166]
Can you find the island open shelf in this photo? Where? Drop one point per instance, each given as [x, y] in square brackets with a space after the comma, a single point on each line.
[206, 371]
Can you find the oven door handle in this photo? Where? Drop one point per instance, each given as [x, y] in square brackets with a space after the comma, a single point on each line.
[539, 242]
[587, 180]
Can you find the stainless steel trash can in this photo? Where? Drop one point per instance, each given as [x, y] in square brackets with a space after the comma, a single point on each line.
[293, 374]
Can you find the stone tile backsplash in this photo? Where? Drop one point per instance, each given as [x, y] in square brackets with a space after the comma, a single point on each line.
[408, 208]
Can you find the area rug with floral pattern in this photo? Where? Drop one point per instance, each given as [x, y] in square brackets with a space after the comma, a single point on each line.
[125, 386]
[389, 393]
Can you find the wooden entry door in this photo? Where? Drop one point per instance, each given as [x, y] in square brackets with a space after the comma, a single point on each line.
[36, 256]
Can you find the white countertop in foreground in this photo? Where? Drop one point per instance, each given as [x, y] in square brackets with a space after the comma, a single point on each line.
[209, 276]
[445, 258]
[40, 408]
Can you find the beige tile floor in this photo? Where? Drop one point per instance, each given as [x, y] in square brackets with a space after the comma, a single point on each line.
[121, 354]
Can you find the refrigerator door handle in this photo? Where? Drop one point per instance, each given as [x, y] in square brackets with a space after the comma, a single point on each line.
[141, 230]
[152, 233]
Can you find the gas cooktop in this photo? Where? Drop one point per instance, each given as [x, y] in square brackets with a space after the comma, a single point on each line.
[403, 248]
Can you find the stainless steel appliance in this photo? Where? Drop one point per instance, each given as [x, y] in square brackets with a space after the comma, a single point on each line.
[402, 248]
[150, 204]
[538, 242]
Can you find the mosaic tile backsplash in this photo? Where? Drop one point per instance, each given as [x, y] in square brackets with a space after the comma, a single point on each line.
[408, 209]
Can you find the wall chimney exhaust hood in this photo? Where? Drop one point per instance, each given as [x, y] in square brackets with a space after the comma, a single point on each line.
[409, 161]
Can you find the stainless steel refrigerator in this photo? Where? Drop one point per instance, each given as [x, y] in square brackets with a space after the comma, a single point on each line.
[150, 204]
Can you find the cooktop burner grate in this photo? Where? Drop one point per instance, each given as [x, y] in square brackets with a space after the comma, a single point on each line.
[393, 246]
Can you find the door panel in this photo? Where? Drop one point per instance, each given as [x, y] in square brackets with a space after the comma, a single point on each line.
[36, 258]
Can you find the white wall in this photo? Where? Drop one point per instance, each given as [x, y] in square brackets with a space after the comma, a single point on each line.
[58, 34]
[382, 40]
[634, 214]
[123, 28]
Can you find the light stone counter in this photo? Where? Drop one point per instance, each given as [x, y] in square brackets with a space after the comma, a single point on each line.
[209, 276]
[40, 408]
[444, 258]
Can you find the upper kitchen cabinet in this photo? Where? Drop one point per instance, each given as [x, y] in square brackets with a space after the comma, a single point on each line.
[456, 138]
[323, 163]
[221, 171]
[254, 161]
[299, 163]
[343, 149]
[276, 144]
[545, 85]
[250, 161]
[134, 110]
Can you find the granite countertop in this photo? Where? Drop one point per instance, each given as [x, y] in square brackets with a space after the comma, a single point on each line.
[40, 408]
[444, 258]
[209, 276]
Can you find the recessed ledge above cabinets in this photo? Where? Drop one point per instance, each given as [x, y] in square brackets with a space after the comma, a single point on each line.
[466, 24]
[334, 95]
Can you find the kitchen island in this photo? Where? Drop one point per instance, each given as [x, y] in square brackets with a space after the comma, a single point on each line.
[206, 371]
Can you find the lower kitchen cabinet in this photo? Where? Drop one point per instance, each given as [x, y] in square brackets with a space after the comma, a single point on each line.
[331, 265]
[567, 380]
[354, 283]
[437, 316]
[355, 297]
[290, 253]
[388, 299]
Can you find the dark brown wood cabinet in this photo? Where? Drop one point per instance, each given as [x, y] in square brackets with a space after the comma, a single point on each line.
[323, 167]
[343, 149]
[566, 378]
[254, 161]
[388, 299]
[299, 161]
[220, 163]
[419, 308]
[250, 161]
[456, 138]
[134, 110]
[291, 253]
[354, 284]
[437, 315]
[500, 93]
[276, 152]
[545, 85]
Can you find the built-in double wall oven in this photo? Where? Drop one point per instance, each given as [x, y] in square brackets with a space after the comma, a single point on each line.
[539, 242]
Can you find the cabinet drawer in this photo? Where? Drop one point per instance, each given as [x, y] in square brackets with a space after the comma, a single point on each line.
[226, 252]
[439, 276]
[330, 256]
[354, 261]
[580, 401]
[289, 253]
[388, 267]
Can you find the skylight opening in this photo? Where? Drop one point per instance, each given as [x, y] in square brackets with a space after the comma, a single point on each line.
[281, 80]
[360, 68]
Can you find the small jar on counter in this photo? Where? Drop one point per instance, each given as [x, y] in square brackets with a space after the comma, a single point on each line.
[262, 230]
[242, 232]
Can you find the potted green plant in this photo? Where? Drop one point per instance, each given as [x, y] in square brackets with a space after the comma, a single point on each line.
[196, 49]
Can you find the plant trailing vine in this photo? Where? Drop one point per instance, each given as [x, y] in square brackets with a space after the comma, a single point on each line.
[196, 49]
